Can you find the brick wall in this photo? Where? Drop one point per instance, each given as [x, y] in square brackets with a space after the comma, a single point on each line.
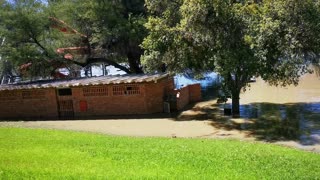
[35, 103]
[169, 86]
[155, 94]
[143, 98]
[195, 92]
[109, 104]
[149, 100]
[183, 98]
[187, 94]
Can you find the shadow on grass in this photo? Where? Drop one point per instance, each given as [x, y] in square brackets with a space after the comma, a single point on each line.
[265, 121]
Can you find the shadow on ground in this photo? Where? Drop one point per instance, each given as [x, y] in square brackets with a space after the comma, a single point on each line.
[264, 121]
[108, 117]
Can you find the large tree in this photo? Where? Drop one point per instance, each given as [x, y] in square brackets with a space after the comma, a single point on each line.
[47, 36]
[113, 30]
[26, 34]
[274, 39]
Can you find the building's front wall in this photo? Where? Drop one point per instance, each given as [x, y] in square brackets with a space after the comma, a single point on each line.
[31, 103]
[109, 100]
[195, 92]
[117, 99]
[187, 94]
[183, 98]
[89, 101]
[156, 94]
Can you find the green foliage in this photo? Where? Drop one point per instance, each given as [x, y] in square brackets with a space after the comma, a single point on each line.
[51, 154]
[28, 36]
[276, 40]
[110, 30]
[114, 29]
[285, 39]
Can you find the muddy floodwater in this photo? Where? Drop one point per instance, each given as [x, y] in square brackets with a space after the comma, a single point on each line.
[280, 113]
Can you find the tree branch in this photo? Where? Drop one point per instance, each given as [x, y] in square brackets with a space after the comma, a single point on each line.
[105, 60]
[109, 62]
[38, 43]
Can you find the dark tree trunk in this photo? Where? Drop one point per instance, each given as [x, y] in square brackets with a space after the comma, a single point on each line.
[236, 103]
[134, 63]
[88, 71]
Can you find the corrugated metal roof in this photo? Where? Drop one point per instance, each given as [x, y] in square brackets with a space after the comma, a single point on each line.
[102, 80]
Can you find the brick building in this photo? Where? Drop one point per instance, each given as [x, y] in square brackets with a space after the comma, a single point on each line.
[93, 97]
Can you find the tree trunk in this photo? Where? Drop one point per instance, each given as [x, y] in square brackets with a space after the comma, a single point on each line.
[134, 63]
[236, 103]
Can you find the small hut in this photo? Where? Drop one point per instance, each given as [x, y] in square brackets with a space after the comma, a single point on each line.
[92, 97]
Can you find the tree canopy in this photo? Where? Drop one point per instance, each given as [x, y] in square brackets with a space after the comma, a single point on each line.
[59, 34]
[238, 39]
[113, 29]
[26, 34]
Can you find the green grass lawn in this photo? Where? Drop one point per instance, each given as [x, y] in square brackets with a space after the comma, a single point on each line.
[53, 154]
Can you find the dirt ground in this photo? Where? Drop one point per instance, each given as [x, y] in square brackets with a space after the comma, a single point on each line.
[164, 127]
[189, 124]
[199, 121]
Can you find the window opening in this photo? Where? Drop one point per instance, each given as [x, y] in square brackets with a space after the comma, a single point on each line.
[65, 92]
[132, 90]
[126, 90]
[118, 90]
[95, 91]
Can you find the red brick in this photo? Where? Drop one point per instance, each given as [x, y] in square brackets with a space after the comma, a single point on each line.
[150, 100]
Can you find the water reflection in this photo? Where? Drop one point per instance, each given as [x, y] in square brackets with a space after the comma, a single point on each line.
[273, 122]
[273, 113]
[290, 113]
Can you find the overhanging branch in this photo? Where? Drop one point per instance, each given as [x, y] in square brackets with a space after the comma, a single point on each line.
[105, 60]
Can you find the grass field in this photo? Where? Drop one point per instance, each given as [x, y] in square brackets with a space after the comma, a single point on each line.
[53, 154]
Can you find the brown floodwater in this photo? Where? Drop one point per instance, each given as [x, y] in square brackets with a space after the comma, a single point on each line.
[283, 113]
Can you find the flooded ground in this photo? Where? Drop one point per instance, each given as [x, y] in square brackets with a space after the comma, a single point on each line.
[290, 113]
[275, 114]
